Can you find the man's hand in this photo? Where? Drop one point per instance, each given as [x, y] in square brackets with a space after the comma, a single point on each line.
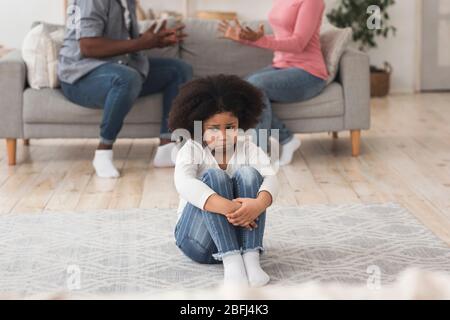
[179, 34]
[162, 38]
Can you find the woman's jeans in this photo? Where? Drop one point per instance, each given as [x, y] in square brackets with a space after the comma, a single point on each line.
[207, 237]
[285, 86]
[115, 88]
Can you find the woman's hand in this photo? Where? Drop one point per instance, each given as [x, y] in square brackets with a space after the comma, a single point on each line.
[249, 211]
[250, 35]
[229, 31]
[237, 32]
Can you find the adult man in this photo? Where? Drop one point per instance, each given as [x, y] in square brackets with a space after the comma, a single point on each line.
[102, 66]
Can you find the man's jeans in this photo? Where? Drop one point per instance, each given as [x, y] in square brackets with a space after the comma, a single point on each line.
[285, 86]
[115, 88]
[207, 237]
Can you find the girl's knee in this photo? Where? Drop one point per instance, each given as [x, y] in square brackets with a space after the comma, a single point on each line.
[248, 175]
[215, 175]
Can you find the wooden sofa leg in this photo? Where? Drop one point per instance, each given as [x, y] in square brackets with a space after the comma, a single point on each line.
[356, 142]
[26, 142]
[11, 147]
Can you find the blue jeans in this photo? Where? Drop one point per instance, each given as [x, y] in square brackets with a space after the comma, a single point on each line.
[207, 237]
[115, 88]
[285, 86]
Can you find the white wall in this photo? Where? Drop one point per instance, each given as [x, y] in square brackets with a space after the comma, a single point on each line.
[16, 17]
[400, 51]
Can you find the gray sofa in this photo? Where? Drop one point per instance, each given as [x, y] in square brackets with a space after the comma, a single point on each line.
[39, 114]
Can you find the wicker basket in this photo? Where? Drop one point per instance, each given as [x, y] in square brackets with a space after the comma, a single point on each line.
[380, 81]
[216, 15]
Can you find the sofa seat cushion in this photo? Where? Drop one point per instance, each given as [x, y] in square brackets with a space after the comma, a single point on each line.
[330, 103]
[50, 106]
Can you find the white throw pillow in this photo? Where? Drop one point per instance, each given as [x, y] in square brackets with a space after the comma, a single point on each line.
[40, 52]
[334, 41]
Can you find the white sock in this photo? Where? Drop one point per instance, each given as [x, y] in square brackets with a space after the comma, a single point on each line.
[103, 164]
[166, 155]
[288, 150]
[256, 275]
[234, 271]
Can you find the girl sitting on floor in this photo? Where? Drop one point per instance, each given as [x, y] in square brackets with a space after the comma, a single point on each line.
[225, 181]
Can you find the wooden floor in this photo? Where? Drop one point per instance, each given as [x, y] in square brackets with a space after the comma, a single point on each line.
[405, 159]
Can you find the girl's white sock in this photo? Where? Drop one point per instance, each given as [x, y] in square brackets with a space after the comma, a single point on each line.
[103, 164]
[165, 156]
[256, 275]
[234, 271]
[288, 150]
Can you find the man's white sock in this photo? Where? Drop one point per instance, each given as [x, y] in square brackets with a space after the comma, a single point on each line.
[256, 275]
[288, 150]
[234, 270]
[165, 155]
[103, 164]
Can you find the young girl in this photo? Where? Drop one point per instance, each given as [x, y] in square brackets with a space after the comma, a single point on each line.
[225, 181]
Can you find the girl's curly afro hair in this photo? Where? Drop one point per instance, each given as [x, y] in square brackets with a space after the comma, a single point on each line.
[201, 99]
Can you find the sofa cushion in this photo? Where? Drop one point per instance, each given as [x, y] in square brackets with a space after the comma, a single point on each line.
[40, 52]
[50, 106]
[208, 54]
[330, 103]
[334, 41]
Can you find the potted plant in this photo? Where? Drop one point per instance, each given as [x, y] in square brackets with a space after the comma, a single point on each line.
[369, 20]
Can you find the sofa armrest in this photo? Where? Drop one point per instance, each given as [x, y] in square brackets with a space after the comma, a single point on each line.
[354, 75]
[12, 86]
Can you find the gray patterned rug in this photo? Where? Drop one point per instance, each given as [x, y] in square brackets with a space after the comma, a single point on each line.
[133, 251]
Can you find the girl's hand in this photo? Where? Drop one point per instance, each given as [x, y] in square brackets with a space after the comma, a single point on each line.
[250, 35]
[236, 206]
[249, 211]
[229, 31]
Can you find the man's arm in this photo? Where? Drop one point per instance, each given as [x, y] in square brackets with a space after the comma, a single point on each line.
[104, 47]
[100, 47]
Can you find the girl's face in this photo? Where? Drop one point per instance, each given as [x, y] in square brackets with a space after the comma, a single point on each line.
[221, 130]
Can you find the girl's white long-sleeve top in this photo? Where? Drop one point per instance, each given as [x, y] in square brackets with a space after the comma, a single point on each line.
[194, 160]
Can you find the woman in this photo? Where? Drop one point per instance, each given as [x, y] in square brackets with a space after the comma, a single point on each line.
[298, 71]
